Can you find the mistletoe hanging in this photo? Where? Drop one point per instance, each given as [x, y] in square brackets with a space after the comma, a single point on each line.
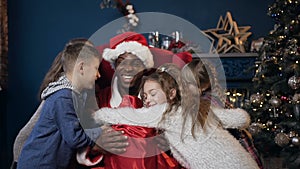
[127, 10]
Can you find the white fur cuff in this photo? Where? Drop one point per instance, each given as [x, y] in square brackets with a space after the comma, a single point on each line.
[82, 158]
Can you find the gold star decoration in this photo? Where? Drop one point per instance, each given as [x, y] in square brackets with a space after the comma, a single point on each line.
[229, 36]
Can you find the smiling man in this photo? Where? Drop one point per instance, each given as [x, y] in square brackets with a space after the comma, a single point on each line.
[130, 56]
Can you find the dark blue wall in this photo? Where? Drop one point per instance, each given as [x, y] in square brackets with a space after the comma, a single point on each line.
[38, 29]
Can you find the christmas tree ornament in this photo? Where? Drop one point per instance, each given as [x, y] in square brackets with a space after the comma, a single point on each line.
[294, 82]
[282, 139]
[296, 141]
[254, 128]
[275, 102]
[292, 134]
[284, 98]
[256, 99]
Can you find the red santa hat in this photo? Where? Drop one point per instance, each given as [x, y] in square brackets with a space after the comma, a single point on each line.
[130, 42]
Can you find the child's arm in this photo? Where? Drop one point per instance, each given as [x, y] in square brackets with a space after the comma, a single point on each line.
[147, 117]
[69, 125]
[232, 118]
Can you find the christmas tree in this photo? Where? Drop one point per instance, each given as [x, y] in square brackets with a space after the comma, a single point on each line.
[274, 104]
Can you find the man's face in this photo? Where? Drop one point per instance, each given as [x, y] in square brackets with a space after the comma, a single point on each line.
[127, 67]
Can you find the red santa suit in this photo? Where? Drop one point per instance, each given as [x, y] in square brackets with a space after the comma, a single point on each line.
[142, 152]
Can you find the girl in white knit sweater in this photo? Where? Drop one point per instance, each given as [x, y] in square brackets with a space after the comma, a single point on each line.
[194, 128]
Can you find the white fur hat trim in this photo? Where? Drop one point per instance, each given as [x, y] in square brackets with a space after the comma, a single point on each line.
[141, 51]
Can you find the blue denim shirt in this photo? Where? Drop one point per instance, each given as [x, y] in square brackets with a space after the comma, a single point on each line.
[56, 136]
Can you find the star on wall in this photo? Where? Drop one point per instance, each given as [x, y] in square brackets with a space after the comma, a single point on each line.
[229, 36]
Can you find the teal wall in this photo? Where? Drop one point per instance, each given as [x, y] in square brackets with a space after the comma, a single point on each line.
[38, 29]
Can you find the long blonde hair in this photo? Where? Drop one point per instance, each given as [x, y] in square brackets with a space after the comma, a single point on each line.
[202, 76]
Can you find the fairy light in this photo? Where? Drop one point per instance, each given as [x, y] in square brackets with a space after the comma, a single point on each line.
[232, 99]
[239, 94]
[293, 21]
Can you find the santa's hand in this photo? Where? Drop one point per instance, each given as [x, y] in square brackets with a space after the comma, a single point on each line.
[112, 141]
[162, 142]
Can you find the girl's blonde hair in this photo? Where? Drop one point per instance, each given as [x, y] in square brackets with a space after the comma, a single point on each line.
[207, 78]
[203, 76]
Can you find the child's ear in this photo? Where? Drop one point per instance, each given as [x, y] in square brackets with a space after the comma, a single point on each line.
[80, 66]
[172, 93]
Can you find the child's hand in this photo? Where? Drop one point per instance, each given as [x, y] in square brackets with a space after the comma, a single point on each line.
[112, 141]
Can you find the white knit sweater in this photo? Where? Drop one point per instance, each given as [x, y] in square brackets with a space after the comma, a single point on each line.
[213, 148]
